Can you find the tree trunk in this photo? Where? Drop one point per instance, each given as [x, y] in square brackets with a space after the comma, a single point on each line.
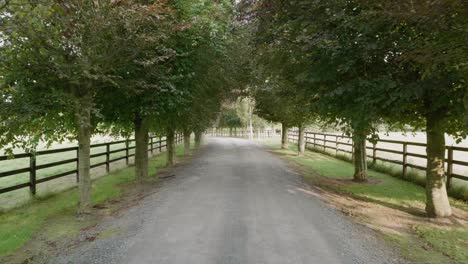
[84, 126]
[187, 134]
[198, 138]
[360, 156]
[437, 202]
[284, 136]
[170, 142]
[141, 147]
[301, 142]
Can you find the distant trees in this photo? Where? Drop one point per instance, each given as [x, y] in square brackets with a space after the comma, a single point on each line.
[240, 115]
[358, 63]
[69, 69]
[230, 119]
[281, 101]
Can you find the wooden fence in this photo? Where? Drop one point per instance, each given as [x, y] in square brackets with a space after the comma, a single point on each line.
[341, 143]
[154, 144]
[223, 132]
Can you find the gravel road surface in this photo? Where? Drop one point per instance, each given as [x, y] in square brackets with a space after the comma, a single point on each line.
[234, 203]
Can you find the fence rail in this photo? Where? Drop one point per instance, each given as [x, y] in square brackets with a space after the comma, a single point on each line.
[156, 143]
[341, 143]
[263, 133]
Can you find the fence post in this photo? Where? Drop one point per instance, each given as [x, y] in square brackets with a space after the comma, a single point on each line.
[126, 151]
[449, 167]
[77, 164]
[160, 144]
[314, 140]
[324, 143]
[405, 150]
[336, 145]
[374, 153]
[151, 142]
[107, 157]
[32, 173]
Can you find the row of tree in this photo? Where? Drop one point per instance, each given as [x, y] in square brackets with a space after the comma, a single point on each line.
[358, 63]
[70, 69]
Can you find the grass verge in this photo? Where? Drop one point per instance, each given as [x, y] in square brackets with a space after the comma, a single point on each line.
[458, 189]
[390, 205]
[55, 214]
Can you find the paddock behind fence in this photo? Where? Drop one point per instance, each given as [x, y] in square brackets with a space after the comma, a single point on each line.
[66, 159]
[242, 133]
[407, 154]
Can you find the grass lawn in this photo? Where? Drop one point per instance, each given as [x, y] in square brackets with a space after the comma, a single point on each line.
[18, 226]
[425, 242]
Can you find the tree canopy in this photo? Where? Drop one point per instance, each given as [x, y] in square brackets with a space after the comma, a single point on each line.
[361, 63]
[70, 69]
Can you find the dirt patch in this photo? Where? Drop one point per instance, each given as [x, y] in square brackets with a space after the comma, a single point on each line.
[384, 216]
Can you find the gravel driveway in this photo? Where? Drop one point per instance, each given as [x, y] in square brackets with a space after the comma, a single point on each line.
[234, 203]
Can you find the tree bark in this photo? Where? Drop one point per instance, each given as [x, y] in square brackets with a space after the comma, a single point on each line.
[187, 134]
[170, 142]
[141, 147]
[284, 136]
[360, 156]
[437, 202]
[301, 142]
[84, 126]
[198, 138]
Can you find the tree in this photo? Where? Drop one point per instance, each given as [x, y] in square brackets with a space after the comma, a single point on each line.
[55, 58]
[282, 101]
[431, 70]
[133, 102]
